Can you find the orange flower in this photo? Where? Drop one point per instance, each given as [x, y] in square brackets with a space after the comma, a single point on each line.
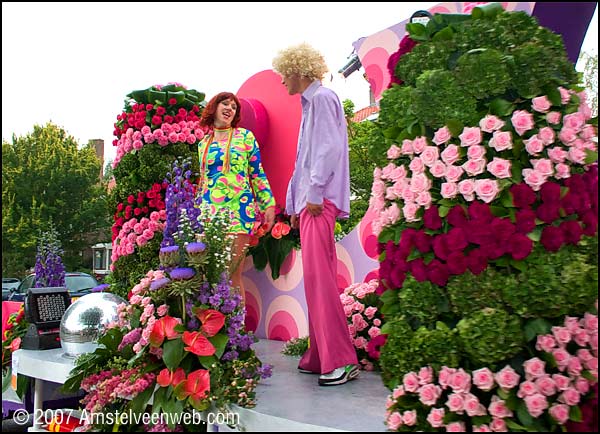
[163, 328]
[167, 377]
[196, 387]
[280, 229]
[212, 321]
[198, 344]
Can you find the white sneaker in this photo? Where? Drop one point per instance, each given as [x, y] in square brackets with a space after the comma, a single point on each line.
[339, 376]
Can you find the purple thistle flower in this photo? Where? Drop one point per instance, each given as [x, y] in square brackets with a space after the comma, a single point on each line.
[198, 247]
[169, 249]
[182, 273]
[159, 283]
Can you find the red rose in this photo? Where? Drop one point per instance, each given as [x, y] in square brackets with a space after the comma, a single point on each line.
[457, 263]
[406, 241]
[477, 261]
[441, 246]
[397, 278]
[480, 234]
[431, 218]
[437, 272]
[457, 216]
[548, 212]
[525, 220]
[418, 270]
[422, 241]
[130, 199]
[502, 228]
[156, 120]
[552, 238]
[520, 246]
[572, 231]
[172, 101]
[523, 195]
[550, 192]
[481, 212]
[456, 239]
[590, 223]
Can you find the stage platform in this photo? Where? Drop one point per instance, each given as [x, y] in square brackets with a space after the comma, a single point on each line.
[291, 401]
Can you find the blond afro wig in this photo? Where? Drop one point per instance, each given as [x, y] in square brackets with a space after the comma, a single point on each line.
[300, 59]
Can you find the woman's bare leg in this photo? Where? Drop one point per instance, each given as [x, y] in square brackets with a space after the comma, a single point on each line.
[238, 254]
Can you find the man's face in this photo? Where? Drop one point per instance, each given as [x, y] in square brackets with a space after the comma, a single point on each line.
[292, 83]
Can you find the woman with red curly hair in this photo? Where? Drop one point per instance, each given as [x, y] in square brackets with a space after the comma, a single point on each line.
[232, 176]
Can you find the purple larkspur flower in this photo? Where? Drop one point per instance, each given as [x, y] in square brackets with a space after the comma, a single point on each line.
[182, 273]
[101, 288]
[159, 283]
[198, 247]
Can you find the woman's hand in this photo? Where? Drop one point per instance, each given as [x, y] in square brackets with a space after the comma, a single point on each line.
[270, 218]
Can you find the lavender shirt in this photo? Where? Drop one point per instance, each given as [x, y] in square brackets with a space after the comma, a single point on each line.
[322, 168]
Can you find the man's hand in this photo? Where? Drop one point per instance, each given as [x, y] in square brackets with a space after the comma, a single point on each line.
[314, 209]
[295, 221]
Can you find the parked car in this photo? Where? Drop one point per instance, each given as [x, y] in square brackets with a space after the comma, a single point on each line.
[78, 284]
[9, 283]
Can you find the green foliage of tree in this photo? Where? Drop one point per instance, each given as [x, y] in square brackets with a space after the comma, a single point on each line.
[47, 176]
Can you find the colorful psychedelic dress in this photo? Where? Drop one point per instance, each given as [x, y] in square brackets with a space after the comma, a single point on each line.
[232, 176]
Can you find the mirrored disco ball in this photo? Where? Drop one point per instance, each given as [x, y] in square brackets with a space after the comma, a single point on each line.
[85, 320]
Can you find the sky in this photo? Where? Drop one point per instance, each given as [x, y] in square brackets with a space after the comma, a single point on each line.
[72, 64]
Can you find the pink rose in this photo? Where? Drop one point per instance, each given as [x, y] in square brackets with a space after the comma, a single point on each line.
[442, 136]
[553, 118]
[561, 357]
[460, 382]
[445, 375]
[501, 140]
[588, 132]
[416, 165]
[570, 396]
[526, 388]
[407, 147]
[436, 417]
[453, 173]
[398, 392]
[491, 123]
[398, 174]
[522, 121]
[582, 385]
[533, 178]
[500, 168]
[563, 171]
[410, 211]
[577, 155]
[557, 154]
[565, 95]
[498, 425]
[546, 385]
[450, 155]
[430, 155]
[567, 135]
[438, 169]
[546, 135]
[543, 166]
[425, 375]
[534, 368]
[545, 343]
[536, 404]
[456, 427]
[474, 167]
[507, 378]
[470, 136]
[449, 190]
[482, 428]
[410, 382]
[394, 421]
[541, 104]
[560, 413]
[574, 367]
[483, 378]
[419, 144]
[590, 322]
[429, 394]
[424, 199]
[476, 152]
[473, 407]
[466, 187]
[409, 417]
[498, 408]
[562, 382]
[575, 121]
[581, 338]
[420, 182]
[486, 189]
[456, 402]
[394, 152]
[534, 145]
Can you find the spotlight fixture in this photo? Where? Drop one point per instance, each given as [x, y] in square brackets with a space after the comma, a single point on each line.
[350, 67]
[44, 308]
[420, 17]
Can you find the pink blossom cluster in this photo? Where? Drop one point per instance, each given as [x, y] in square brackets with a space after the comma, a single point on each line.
[478, 164]
[543, 390]
[134, 232]
[107, 385]
[364, 321]
[189, 132]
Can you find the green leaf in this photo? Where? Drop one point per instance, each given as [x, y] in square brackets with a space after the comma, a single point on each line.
[590, 156]
[138, 404]
[137, 357]
[178, 95]
[501, 107]
[575, 413]
[523, 415]
[446, 34]
[455, 126]
[417, 32]
[535, 327]
[391, 133]
[519, 265]
[173, 353]
[259, 257]
[160, 396]
[6, 378]
[219, 341]
[157, 97]
[443, 211]
[22, 385]
[382, 256]
[207, 361]
[535, 235]
[489, 10]
[386, 235]
[514, 426]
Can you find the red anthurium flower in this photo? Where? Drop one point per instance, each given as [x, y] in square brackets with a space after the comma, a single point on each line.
[167, 377]
[163, 328]
[197, 344]
[197, 386]
[15, 344]
[212, 321]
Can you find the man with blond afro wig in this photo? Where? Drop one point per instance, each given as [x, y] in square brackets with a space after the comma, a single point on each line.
[318, 193]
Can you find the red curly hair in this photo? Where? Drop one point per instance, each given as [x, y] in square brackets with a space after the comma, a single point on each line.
[208, 114]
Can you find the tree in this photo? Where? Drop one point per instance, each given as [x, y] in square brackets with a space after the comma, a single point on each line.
[590, 79]
[47, 177]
